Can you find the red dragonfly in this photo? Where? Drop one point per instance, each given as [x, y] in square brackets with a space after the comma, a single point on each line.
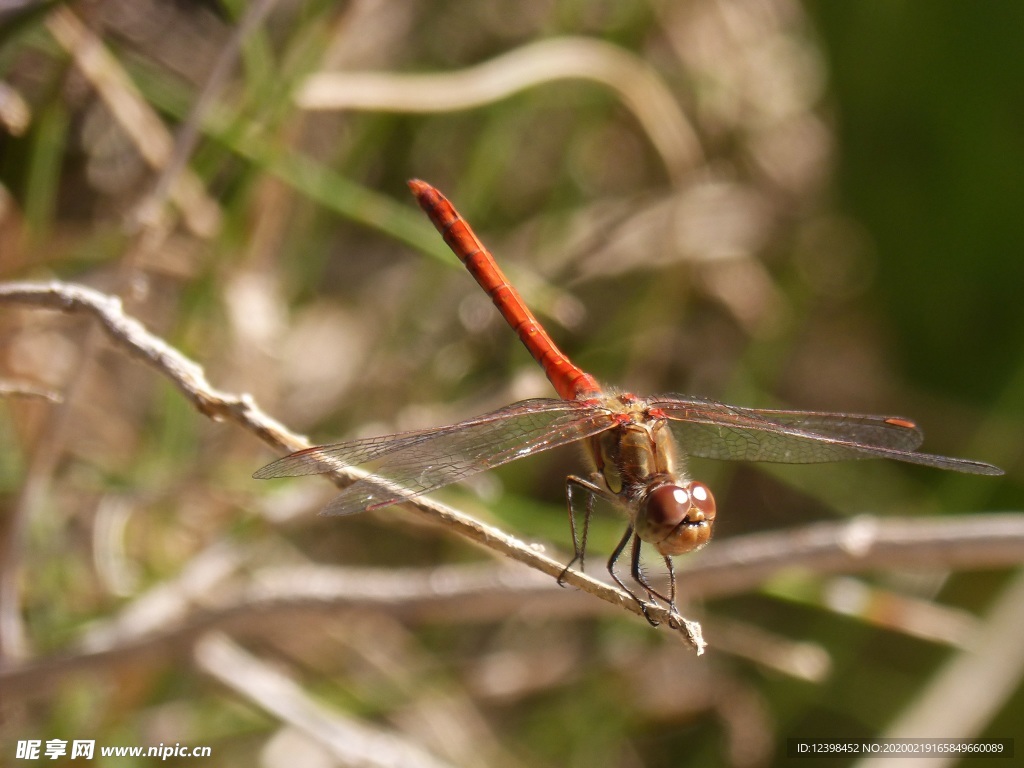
[636, 447]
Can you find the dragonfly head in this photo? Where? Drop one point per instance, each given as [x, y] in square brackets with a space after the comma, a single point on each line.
[676, 518]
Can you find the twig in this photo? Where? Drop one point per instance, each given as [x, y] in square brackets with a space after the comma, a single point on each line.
[23, 389]
[190, 379]
[351, 742]
[960, 700]
[188, 133]
[490, 593]
[864, 543]
[131, 335]
[635, 83]
[729, 567]
[134, 115]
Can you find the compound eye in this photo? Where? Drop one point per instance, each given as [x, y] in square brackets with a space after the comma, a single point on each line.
[702, 499]
[665, 507]
[677, 519]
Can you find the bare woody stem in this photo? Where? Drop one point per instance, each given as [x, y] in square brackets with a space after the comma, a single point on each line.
[190, 379]
[484, 592]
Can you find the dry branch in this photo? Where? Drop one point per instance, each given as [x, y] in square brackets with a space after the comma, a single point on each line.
[350, 741]
[633, 81]
[190, 379]
[134, 115]
[488, 592]
[484, 592]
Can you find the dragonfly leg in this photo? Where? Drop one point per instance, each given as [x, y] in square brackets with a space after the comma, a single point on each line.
[641, 578]
[629, 534]
[671, 584]
[637, 572]
[579, 543]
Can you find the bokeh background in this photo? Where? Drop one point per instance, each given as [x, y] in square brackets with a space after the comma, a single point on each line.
[774, 203]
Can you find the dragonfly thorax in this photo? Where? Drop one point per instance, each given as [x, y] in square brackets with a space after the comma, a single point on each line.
[640, 463]
[632, 454]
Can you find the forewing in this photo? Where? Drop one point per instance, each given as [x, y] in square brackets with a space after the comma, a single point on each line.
[715, 430]
[411, 463]
[876, 431]
[439, 459]
[322, 459]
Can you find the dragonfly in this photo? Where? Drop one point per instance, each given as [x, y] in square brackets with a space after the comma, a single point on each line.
[636, 447]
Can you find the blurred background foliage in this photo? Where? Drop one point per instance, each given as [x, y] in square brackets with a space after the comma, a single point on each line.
[810, 204]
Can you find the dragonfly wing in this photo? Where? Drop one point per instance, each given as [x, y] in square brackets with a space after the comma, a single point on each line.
[322, 459]
[446, 457]
[878, 431]
[715, 430]
[411, 463]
